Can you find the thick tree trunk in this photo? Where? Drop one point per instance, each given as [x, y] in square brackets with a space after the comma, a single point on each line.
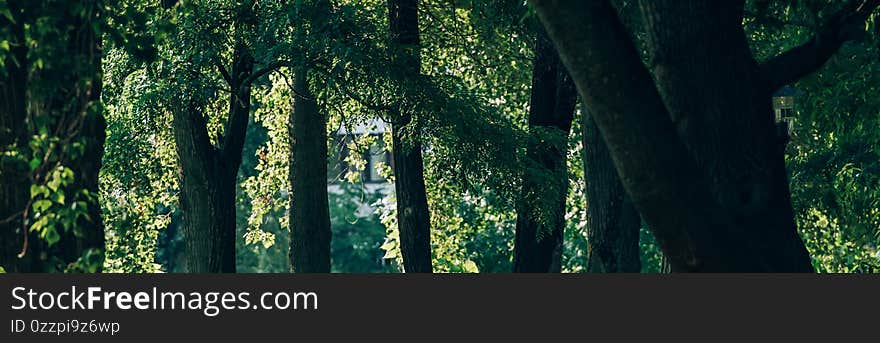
[208, 175]
[309, 212]
[701, 219]
[413, 218]
[724, 116]
[654, 166]
[14, 183]
[207, 197]
[541, 211]
[613, 223]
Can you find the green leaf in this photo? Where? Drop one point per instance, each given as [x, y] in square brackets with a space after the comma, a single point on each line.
[53, 185]
[8, 14]
[67, 175]
[470, 267]
[39, 224]
[388, 245]
[42, 205]
[2, 271]
[52, 236]
[81, 205]
[390, 254]
[39, 190]
[58, 197]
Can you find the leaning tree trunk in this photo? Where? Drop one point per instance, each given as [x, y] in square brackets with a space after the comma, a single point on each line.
[413, 218]
[612, 221]
[541, 210]
[208, 174]
[309, 212]
[707, 212]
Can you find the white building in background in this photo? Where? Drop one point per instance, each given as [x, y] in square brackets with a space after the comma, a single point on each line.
[371, 177]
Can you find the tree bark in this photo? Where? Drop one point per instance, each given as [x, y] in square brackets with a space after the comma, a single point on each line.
[707, 212]
[724, 116]
[413, 217]
[654, 166]
[540, 220]
[309, 212]
[208, 174]
[206, 196]
[612, 223]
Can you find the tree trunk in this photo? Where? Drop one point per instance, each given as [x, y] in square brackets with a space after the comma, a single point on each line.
[208, 174]
[413, 217]
[724, 116]
[85, 244]
[68, 93]
[541, 210]
[702, 220]
[14, 183]
[613, 223]
[207, 197]
[309, 212]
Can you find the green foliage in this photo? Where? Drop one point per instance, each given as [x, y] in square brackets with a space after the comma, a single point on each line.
[51, 211]
[138, 179]
[265, 189]
[53, 43]
[832, 158]
[469, 106]
[834, 163]
[357, 230]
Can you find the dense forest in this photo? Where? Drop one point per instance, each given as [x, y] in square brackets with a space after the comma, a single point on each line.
[222, 136]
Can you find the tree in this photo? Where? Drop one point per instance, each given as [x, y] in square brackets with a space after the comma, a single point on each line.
[13, 136]
[208, 173]
[612, 223]
[541, 211]
[717, 199]
[309, 214]
[53, 131]
[309, 202]
[413, 217]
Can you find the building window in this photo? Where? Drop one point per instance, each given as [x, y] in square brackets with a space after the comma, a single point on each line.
[784, 114]
[374, 159]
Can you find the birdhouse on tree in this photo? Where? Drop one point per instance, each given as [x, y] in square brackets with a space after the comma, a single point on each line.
[783, 109]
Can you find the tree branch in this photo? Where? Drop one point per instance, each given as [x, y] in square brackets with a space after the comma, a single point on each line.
[223, 71]
[263, 71]
[239, 107]
[342, 85]
[812, 55]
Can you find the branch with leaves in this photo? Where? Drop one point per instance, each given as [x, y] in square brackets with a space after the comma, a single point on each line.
[844, 26]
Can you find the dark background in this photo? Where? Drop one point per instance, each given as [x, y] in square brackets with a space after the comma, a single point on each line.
[495, 308]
